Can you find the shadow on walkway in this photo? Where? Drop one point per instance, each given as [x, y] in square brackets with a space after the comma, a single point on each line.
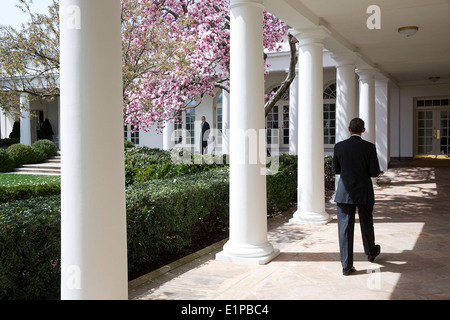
[412, 225]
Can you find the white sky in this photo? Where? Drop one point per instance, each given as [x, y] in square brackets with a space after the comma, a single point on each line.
[11, 15]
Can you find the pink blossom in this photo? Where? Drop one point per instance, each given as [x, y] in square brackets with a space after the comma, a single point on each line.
[175, 52]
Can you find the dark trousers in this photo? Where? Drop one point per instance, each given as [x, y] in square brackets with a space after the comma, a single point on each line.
[346, 226]
[204, 147]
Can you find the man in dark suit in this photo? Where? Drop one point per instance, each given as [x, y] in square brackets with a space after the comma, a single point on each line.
[356, 161]
[205, 134]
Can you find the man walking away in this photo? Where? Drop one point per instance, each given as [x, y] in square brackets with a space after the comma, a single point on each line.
[356, 161]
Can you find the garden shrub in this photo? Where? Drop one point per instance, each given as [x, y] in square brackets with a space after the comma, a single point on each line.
[46, 146]
[30, 249]
[165, 170]
[128, 144]
[329, 175]
[282, 186]
[163, 216]
[139, 157]
[22, 154]
[144, 164]
[6, 162]
[22, 192]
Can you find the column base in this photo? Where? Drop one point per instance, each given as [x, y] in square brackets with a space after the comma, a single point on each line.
[248, 254]
[305, 217]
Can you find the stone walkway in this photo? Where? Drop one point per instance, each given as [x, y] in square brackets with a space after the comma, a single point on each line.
[412, 225]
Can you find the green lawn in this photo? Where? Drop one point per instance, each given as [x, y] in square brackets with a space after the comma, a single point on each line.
[10, 180]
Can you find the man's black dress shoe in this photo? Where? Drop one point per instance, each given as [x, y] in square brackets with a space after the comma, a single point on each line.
[346, 272]
[371, 257]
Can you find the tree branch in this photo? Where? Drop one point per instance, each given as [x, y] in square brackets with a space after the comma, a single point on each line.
[289, 78]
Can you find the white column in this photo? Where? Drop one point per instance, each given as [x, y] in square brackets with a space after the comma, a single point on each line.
[367, 105]
[367, 102]
[346, 106]
[168, 142]
[311, 184]
[225, 122]
[248, 206]
[382, 122]
[93, 217]
[293, 116]
[25, 120]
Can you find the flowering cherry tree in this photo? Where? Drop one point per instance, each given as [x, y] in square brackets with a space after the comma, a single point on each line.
[174, 53]
[191, 41]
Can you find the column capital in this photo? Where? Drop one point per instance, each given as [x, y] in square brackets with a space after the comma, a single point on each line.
[366, 74]
[241, 3]
[344, 58]
[382, 81]
[310, 35]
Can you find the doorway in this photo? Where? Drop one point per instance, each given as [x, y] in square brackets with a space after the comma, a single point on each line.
[433, 127]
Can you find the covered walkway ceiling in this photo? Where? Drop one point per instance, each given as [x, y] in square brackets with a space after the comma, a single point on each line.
[416, 58]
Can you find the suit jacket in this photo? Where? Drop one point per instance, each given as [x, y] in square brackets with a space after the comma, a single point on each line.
[205, 131]
[356, 161]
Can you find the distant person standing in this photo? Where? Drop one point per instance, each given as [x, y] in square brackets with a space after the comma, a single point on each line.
[356, 161]
[205, 134]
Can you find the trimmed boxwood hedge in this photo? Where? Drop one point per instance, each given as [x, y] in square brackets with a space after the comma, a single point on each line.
[22, 154]
[162, 217]
[6, 162]
[282, 186]
[30, 249]
[23, 192]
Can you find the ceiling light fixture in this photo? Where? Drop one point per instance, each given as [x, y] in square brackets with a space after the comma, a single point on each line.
[408, 31]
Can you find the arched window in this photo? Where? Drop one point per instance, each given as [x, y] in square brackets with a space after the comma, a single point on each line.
[329, 115]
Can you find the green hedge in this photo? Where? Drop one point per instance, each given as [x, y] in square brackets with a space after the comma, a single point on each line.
[162, 217]
[23, 192]
[30, 249]
[282, 186]
[6, 162]
[46, 146]
[140, 157]
[144, 164]
[20, 154]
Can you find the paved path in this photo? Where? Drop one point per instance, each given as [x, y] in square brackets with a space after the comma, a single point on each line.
[412, 225]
